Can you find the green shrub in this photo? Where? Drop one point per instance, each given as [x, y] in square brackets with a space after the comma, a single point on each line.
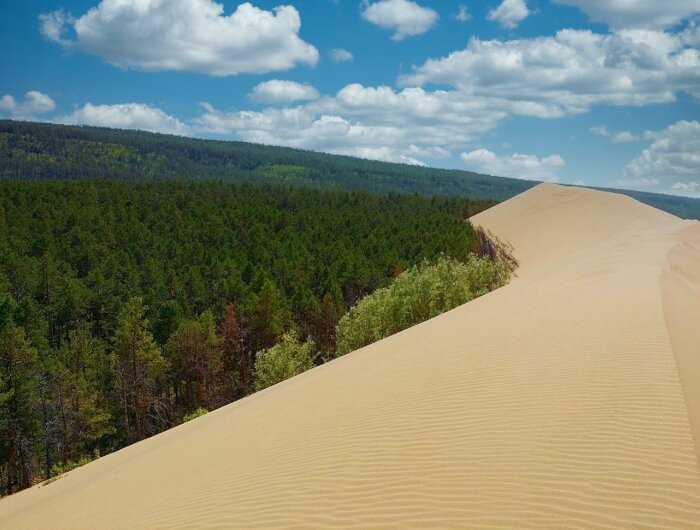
[417, 295]
[60, 468]
[194, 414]
[285, 359]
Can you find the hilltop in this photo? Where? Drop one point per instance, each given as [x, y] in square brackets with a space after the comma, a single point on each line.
[40, 151]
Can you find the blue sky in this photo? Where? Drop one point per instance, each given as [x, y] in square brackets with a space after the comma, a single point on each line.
[601, 92]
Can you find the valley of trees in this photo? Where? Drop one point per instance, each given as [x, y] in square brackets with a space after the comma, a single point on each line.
[129, 307]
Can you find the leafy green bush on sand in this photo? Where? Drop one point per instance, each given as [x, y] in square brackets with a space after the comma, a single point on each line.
[416, 295]
[285, 359]
[59, 469]
[201, 411]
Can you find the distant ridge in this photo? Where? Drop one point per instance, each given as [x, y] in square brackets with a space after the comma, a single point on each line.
[566, 399]
[39, 151]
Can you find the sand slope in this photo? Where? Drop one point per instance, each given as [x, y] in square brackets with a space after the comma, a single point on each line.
[569, 398]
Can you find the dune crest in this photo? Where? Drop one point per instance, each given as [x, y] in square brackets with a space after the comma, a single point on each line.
[569, 398]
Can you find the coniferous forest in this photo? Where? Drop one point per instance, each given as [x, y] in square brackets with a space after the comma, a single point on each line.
[127, 307]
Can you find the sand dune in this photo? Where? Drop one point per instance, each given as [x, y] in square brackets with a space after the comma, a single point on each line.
[569, 398]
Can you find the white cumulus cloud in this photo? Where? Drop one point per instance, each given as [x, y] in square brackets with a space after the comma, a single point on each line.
[411, 125]
[33, 104]
[618, 138]
[185, 35]
[462, 14]
[624, 137]
[279, 91]
[303, 129]
[674, 155]
[510, 13]
[636, 13]
[127, 116]
[600, 130]
[409, 116]
[339, 55]
[687, 188]
[569, 72]
[53, 25]
[516, 165]
[404, 17]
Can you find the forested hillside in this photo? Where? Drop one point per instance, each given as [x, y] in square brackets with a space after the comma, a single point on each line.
[39, 151]
[126, 306]
[46, 151]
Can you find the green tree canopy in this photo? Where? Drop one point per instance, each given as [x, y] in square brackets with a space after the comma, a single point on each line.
[19, 408]
[138, 366]
[195, 359]
[285, 359]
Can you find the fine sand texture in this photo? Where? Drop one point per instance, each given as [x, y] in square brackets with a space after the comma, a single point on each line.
[568, 399]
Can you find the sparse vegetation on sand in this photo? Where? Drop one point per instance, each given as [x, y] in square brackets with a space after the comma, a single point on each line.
[285, 359]
[419, 294]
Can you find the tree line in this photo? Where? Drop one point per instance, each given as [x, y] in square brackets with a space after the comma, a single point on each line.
[43, 151]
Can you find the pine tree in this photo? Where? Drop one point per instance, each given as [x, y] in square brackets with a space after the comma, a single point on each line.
[138, 366]
[236, 359]
[80, 376]
[195, 360]
[268, 317]
[19, 408]
[329, 316]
